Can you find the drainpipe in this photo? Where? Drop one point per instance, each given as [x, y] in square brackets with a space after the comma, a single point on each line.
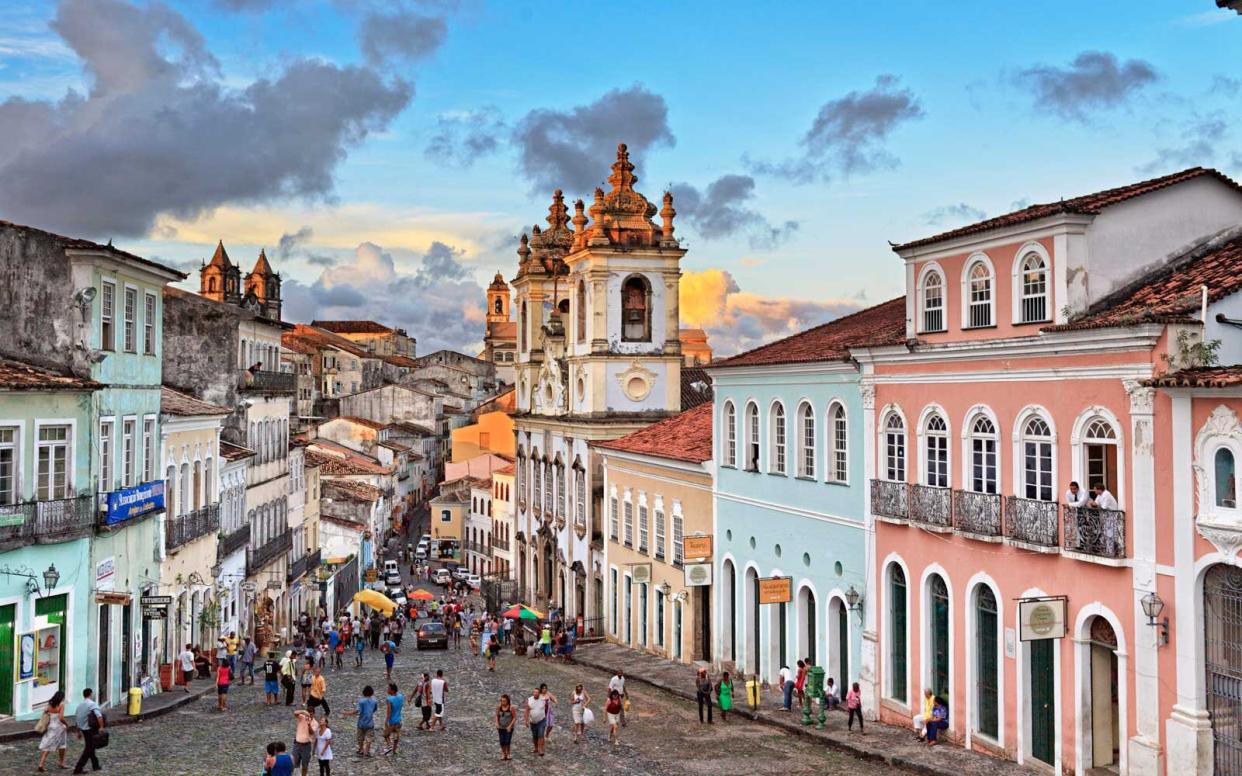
[1203, 303]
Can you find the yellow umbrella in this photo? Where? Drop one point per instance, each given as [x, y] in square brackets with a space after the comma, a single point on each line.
[376, 600]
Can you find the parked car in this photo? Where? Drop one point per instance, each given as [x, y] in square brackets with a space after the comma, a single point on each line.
[443, 576]
[432, 635]
[393, 578]
[426, 539]
[420, 553]
[460, 573]
[474, 580]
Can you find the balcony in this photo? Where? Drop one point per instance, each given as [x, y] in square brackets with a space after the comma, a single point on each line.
[500, 544]
[479, 548]
[190, 526]
[890, 499]
[1032, 522]
[268, 382]
[232, 542]
[977, 513]
[306, 564]
[1097, 532]
[931, 506]
[259, 557]
[46, 522]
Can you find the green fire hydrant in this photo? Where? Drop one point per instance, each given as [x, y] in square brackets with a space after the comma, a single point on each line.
[813, 691]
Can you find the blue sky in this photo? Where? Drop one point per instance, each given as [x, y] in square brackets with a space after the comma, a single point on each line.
[740, 84]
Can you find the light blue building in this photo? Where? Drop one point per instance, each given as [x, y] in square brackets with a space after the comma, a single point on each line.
[790, 500]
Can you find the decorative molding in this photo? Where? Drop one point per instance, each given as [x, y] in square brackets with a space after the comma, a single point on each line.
[1141, 397]
[867, 392]
[1221, 527]
[637, 381]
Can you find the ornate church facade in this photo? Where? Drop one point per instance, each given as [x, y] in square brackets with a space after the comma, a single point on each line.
[598, 357]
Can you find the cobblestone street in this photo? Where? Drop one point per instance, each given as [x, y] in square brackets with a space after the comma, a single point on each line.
[663, 737]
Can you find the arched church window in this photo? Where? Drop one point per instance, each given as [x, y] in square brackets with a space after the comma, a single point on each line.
[500, 306]
[636, 310]
[581, 302]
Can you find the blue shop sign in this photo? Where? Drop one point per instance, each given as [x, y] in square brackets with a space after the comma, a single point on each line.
[128, 503]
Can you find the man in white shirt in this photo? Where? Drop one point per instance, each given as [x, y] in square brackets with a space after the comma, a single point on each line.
[1075, 496]
[439, 688]
[787, 687]
[187, 665]
[1102, 499]
[617, 682]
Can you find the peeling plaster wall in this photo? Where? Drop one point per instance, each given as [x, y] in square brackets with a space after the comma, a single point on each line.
[38, 318]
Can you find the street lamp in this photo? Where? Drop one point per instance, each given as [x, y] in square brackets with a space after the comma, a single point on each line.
[51, 577]
[853, 598]
[1153, 605]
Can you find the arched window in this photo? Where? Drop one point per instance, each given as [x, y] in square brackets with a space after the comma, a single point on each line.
[938, 634]
[1226, 478]
[635, 310]
[1100, 454]
[561, 504]
[897, 660]
[580, 495]
[582, 311]
[806, 440]
[978, 295]
[547, 487]
[936, 452]
[752, 437]
[776, 428]
[729, 418]
[499, 306]
[211, 284]
[536, 472]
[894, 448]
[522, 324]
[987, 663]
[983, 455]
[1037, 460]
[933, 302]
[1033, 306]
[838, 444]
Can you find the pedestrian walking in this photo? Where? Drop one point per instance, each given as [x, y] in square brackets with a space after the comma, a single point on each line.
[506, 718]
[535, 716]
[365, 711]
[581, 700]
[493, 649]
[800, 683]
[423, 693]
[724, 693]
[617, 682]
[318, 692]
[853, 704]
[360, 645]
[303, 740]
[248, 653]
[223, 678]
[390, 651]
[278, 761]
[703, 694]
[439, 691]
[308, 674]
[186, 659]
[271, 680]
[323, 747]
[287, 669]
[613, 710]
[550, 718]
[55, 731]
[92, 726]
[231, 646]
[392, 720]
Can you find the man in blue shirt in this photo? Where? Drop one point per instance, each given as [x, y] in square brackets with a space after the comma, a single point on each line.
[366, 720]
[392, 726]
[90, 721]
[390, 651]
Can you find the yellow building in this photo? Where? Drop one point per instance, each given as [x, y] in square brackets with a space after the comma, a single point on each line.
[449, 511]
[658, 486]
[492, 432]
[694, 348]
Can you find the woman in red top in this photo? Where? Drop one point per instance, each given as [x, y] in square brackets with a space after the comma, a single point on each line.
[222, 685]
[800, 682]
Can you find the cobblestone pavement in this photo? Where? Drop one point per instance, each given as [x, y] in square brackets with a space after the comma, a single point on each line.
[663, 737]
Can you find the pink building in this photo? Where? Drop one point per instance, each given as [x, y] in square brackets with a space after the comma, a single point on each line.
[1038, 344]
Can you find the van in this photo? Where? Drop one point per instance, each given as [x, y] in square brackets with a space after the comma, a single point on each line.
[391, 567]
[420, 553]
[443, 576]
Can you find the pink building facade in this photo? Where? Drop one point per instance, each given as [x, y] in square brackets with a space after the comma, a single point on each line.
[1058, 344]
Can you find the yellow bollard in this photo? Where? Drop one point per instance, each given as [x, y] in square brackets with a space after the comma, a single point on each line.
[135, 701]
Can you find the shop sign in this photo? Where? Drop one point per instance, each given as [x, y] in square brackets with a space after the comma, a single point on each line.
[155, 600]
[698, 574]
[105, 574]
[775, 590]
[697, 547]
[1042, 618]
[129, 503]
[113, 599]
[641, 573]
[154, 613]
[26, 657]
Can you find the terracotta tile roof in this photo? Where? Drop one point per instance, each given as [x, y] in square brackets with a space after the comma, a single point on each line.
[332, 458]
[400, 448]
[684, 437]
[510, 469]
[20, 376]
[374, 424]
[400, 361]
[358, 490]
[234, 452]
[352, 327]
[1088, 204]
[1172, 293]
[1203, 377]
[691, 396]
[341, 519]
[77, 243]
[177, 403]
[293, 342]
[412, 428]
[883, 324]
[502, 402]
[325, 339]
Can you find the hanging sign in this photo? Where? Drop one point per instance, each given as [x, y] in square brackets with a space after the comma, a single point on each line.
[698, 574]
[139, 500]
[1042, 618]
[699, 547]
[775, 590]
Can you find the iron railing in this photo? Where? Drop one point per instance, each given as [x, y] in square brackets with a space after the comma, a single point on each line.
[476, 547]
[232, 542]
[931, 505]
[1099, 532]
[977, 513]
[1031, 521]
[190, 526]
[303, 565]
[279, 382]
[890, 499]
[46, 522]
[499, 543]
[266, 553]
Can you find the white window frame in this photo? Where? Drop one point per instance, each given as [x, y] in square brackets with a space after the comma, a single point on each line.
[70, 458]
[925, 437]
[107, 454]
[129, 319]
[1020, 438]
[149, 455]
[627, 512]
[1018, 286]
[129, 450]
[778, 431]
[679, 536]
[977, 444]
[660, 535]
[930, 270]
[895, 460]
[752, 444]
[17, 427]
[644, 530]
[837, 443]
[807, 433]
[107, 315]
[728, 418]
[614, 517]
[150, 309]
[967, 303]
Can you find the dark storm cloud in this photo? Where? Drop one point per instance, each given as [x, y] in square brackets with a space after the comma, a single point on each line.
[848, 134]
[291, 241]
[721, 210]
[565, 148]
[159, 132]
[1095, 80]
[389, 36]
[462, 138]
[961, 212]
[1200, 140]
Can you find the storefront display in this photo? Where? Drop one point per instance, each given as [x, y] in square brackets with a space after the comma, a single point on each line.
[46, 680]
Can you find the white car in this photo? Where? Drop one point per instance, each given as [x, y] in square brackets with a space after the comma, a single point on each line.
[474, 580]
[461, 572]
[420, 553]
[443, 576]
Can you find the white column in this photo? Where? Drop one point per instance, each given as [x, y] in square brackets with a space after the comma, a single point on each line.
[868, 678]
[1144, 750]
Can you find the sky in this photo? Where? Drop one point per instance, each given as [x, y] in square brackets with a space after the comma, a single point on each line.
[387, 155]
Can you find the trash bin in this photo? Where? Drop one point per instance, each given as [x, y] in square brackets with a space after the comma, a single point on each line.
[135, 701]
[752, 693]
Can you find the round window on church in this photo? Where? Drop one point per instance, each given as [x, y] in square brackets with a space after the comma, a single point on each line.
[581, 389]
[637, 388]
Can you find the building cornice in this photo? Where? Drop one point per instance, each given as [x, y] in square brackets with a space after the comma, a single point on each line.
[1119, 340]
[1050, 226]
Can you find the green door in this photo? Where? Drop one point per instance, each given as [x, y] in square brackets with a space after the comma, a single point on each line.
[940, 637]
[1043, 712]
[53, 608]
[843, 646]
[784, 626]
[8, 648]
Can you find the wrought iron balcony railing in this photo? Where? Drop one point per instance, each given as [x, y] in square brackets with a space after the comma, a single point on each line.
[274, 382]
[977, 513]
[890, 499]
[1031, 521]
[1091, 531]
[232, 542]
[190, 526]
[303, 565]
[499, 543]
[266, 553]
[46, 522]
[931, 505]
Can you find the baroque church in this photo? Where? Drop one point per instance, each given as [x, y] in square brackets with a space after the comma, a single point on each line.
[220, 280]
[598, 356]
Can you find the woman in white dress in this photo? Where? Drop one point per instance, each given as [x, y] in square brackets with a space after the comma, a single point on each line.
[581, 700]
[55, 737]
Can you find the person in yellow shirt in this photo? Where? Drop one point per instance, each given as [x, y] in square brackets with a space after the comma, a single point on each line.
[231, 643]
[318, 692]
[924, 716]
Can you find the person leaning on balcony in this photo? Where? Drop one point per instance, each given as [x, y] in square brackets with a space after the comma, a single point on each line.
[924, 716]
[1075, 496]
[1101, 498]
